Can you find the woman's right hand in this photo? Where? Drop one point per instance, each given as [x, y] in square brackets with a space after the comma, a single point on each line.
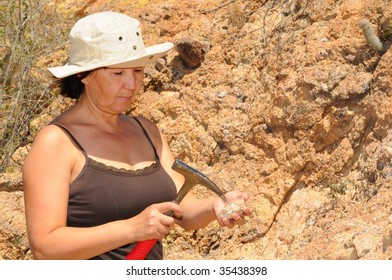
[153, 223]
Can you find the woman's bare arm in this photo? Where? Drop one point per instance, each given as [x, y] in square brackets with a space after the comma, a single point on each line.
[197, 213]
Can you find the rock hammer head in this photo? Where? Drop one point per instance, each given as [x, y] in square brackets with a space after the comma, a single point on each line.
[192, 178]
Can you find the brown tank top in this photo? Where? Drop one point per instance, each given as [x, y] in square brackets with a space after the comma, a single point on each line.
[102, 194]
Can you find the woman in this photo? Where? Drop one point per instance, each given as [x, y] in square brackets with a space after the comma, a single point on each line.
[97, 181]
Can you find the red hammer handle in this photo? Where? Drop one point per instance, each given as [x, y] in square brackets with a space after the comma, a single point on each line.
[141, 250]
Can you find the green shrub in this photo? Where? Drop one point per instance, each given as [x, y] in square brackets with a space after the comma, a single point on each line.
[28, 32]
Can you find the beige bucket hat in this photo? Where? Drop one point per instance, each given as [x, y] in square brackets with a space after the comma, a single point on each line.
[108, 39]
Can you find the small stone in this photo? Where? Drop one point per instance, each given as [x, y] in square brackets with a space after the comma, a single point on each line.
[191, 51]
[350, 57]
[222, 94]
[160, 64]
[232, 207]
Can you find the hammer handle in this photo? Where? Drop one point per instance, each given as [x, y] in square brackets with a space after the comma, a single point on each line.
[141, 250]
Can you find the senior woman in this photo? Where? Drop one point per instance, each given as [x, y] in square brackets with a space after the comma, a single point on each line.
[97, 181]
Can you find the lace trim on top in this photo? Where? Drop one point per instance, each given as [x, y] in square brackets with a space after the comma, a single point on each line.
[116, 170]
[122, 171]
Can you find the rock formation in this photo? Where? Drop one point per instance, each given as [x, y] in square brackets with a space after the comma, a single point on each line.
[287, 101]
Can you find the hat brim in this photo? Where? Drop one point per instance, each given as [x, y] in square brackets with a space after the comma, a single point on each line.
[150, 55]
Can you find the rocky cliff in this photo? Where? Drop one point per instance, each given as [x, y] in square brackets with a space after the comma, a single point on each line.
[283, 99]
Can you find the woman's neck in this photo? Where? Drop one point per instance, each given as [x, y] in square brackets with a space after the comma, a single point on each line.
[88, 113]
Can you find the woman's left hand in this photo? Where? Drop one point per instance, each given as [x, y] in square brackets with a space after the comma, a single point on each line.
[236, 219]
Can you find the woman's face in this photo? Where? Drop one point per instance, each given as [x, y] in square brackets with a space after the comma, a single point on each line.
[112, 90]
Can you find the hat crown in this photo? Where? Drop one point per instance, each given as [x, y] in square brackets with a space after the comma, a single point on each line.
[105, 37]
[108, 39]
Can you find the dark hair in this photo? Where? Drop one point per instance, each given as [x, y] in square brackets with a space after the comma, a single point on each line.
[72, 86]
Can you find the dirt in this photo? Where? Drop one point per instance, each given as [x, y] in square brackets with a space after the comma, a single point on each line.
[288, 102]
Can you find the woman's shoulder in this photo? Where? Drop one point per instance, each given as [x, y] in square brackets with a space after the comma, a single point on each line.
[146, 122]
[151, 127]
[49, 132]
[52, 145]
[51, 136]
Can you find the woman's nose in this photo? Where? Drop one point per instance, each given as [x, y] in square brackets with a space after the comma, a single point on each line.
[130, 80]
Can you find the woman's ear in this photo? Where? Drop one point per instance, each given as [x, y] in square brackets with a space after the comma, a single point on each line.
[83, 80]
[82, 76]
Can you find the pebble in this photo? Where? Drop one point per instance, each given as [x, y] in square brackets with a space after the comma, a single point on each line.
[234, 206]
[222, 94]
